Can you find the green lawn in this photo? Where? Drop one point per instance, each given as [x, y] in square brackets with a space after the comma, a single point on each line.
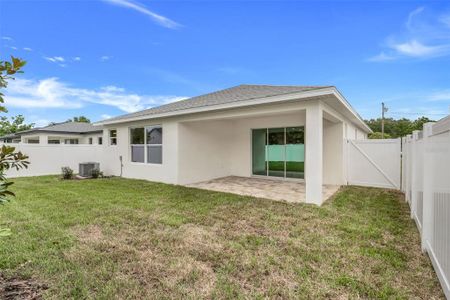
[118, 238]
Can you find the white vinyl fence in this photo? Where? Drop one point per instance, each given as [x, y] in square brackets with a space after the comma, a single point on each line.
[49, 159]
[374, 163]
[426, 184]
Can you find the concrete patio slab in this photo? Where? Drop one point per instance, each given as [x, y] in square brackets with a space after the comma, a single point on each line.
[275, 189]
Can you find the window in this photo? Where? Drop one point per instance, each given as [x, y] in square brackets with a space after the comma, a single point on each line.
[33, 141]
[154, 145]
[113, 137]
[71, 141]
[137, 145]
[146, 144]
[90, 141]
[100, 140]
[54, 141]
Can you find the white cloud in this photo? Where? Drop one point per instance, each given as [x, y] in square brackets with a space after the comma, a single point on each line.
[12, 47]
[76, 58]
[443, 95]
[105, 116]
[52, 93]
[7, 38]
[41, 122]
[27, 49]
[105, 58]
[382, 57]
[416, 49]
[55, 59]
[161, 20]
[410, 22]
[425, 35]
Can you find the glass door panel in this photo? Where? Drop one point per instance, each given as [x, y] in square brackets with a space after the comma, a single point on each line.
[295, 152]
[276, 152]
[259, 141]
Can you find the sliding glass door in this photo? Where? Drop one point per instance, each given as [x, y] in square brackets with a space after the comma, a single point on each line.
[295, 152]
[259, 155]
[275, 152]
[278, 152]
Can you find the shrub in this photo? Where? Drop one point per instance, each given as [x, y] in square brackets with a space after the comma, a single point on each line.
[95, 173]
[67, 173]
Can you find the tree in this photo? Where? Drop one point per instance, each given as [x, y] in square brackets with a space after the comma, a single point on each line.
[418, 124]
[81, 119]
[396, 128]
[8, 157]
[377, 135]
[14, 125]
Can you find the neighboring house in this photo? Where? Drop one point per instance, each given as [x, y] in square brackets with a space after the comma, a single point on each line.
[59, 133]
[284, 132]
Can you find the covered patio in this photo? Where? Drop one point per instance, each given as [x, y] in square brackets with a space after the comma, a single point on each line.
[291, 152]
[293, 191]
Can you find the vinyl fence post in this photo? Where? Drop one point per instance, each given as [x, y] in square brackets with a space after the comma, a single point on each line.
[408, 169]
[427, 221]
[415, 161]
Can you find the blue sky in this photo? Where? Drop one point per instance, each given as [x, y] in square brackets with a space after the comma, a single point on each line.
[106, 58]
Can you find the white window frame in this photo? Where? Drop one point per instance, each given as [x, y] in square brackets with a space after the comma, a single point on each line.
[110, 137]
[52, 141]
[145, 145]
[70, 141]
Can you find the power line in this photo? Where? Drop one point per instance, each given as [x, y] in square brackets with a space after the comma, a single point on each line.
[421, 113]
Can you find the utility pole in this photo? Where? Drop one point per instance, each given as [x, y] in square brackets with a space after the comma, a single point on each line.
[384, 109]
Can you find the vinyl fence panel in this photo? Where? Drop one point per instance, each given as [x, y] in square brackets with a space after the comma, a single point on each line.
[426, 160]
[49, 159]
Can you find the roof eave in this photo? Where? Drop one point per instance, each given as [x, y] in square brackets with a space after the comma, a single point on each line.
[273, 99]
[237, 104]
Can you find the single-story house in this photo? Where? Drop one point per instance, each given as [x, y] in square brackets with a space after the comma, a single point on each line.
[264, 131]
[58, 133]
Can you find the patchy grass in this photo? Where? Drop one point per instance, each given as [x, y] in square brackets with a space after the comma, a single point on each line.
[118, 238]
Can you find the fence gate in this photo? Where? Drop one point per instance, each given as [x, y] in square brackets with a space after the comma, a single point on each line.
[374, 163]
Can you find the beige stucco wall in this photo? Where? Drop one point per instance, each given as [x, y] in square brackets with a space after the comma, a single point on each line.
[333, 153]
[204, 146]
[165, 172]
[205, 150]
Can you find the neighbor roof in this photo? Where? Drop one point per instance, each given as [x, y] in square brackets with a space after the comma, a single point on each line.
[9, 136]
[66, 127]
[233, 94]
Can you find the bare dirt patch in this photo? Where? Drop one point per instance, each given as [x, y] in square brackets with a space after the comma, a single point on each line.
[17, 288]
[88, 234]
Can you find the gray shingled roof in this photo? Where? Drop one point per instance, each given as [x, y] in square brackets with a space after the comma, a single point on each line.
[66, 127]
[233, 94]
[9, 136]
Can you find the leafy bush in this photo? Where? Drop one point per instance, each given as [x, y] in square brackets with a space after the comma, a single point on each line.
[96, 173]
[9, 159]
[67, 173]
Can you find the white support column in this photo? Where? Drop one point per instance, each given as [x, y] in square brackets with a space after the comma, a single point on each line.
[314, 153]
[427, 221]
[415, 161]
